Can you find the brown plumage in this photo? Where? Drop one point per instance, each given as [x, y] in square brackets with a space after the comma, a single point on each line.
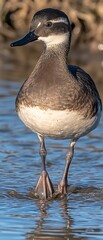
[57, 100]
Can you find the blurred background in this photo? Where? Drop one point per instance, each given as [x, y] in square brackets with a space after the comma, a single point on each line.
[87, 37]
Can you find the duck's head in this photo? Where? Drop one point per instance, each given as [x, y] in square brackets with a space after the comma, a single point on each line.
[49, 25]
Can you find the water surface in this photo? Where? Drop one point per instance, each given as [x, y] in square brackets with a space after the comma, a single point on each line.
[77, 216]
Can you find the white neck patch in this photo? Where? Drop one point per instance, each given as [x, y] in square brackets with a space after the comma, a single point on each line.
[53, 40]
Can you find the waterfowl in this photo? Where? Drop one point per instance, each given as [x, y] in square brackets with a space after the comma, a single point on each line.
[58, 101]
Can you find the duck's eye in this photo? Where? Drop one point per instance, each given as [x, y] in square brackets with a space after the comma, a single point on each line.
[48, 24]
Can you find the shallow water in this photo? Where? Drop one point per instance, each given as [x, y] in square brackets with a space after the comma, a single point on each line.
[79, 215]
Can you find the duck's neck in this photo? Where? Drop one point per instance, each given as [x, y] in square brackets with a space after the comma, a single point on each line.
[53, 61]
[59, 50]
[56, 53]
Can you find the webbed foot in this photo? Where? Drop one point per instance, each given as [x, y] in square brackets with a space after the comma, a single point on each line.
[44, 188]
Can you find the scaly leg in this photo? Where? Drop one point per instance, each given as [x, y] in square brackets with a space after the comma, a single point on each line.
[44, 187]
[62, 186]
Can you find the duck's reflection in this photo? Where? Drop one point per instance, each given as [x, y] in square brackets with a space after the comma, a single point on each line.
[57, 227]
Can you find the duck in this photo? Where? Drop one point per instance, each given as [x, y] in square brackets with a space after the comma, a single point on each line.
[57, 101]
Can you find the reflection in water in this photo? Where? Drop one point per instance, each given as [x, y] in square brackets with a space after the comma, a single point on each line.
[67, 218]
[50, 227]
[77, 216]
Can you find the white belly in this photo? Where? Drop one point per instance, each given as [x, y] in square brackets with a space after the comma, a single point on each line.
[58, 124]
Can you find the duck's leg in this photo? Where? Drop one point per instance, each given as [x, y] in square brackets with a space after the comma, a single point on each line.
[44, 187]
[62, 186]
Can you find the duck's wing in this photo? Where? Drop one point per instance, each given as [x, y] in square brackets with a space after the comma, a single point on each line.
[88, 96]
